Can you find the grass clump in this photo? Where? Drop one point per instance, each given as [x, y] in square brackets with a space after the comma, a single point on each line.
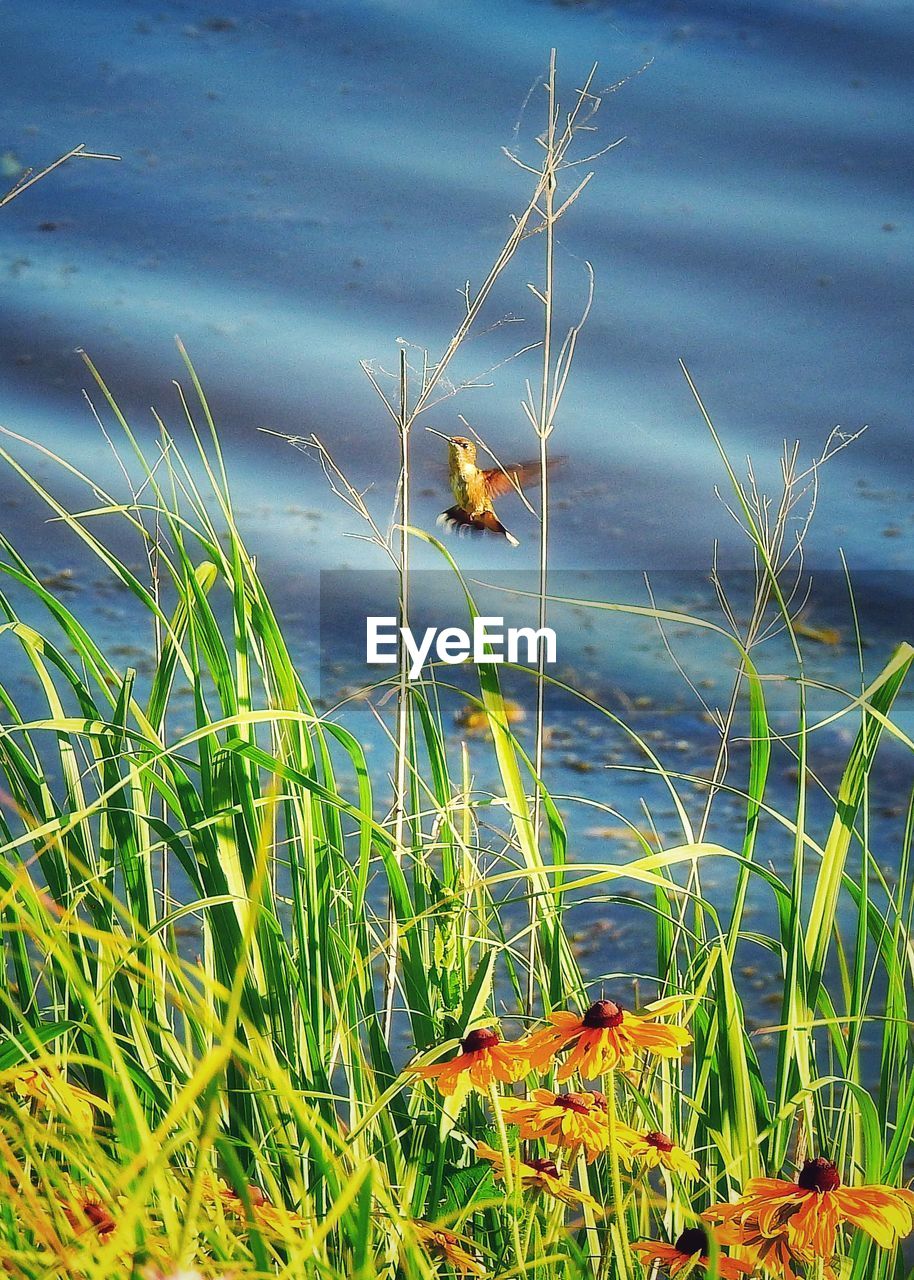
[265, 1014]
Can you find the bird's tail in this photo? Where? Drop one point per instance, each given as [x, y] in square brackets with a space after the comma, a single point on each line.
[486, 522]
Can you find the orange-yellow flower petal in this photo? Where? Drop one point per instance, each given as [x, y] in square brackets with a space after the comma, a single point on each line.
[809, 1211]
[605, 1037]
[485, 1058]
[563, 1119]
[86, 1211]
[444, 1246]
[667, 1007]
[772, 1253]
[275, 1218]
[270, 1217]
[885, 1213]
[656, 1151]
[689, 1253]
[48, 1090]
[542, 1046]
[537, 1175]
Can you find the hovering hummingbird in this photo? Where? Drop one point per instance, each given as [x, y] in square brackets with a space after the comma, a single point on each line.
[475, 488]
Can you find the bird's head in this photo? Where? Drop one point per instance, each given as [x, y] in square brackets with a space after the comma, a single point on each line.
[461, 451]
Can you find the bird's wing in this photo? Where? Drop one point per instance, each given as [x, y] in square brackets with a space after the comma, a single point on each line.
[500, 480]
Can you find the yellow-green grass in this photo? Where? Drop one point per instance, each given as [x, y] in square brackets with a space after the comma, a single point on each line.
[262, 1059]
[227, 944]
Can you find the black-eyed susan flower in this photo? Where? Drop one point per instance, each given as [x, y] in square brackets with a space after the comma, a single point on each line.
[485, 1058]
[539, 1175]
[47, 1089]
[86, 1210]
[689, 1253]
[606, 1036]
[444, 1246]
[266, 1215]
[772, 1253]
[276, 1219]
[656, 1151]
[809, 1211]
[563, 1119]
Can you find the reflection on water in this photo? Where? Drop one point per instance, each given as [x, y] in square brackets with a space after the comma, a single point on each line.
[301, 186]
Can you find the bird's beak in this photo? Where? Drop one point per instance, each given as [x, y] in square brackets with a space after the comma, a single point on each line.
[439, 433]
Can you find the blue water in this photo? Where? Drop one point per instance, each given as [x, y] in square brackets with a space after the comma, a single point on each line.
[300, 186]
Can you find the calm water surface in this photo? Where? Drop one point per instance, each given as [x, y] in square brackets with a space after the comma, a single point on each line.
[302, 185]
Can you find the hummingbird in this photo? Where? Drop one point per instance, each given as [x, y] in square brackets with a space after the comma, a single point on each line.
[475, 488]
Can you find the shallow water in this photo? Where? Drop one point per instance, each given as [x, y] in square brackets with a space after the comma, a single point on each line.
[300, 186]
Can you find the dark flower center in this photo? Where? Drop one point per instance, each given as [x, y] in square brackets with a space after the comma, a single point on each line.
[544, 1166]
[603, 1014]
[93, 1212]
[484, 1038]
[659, 1140]
[693, 1240]
[819, 1175]
[598, 1100]
[579, 1102]
[99, 1216]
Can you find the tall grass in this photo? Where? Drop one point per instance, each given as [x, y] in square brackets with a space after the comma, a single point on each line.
[228, 943]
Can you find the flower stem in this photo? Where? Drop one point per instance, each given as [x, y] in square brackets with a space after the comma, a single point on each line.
[531, 1222]
[510, 1184]
[617, 1229]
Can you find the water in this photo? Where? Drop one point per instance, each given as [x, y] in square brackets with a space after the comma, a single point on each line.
[302, 185]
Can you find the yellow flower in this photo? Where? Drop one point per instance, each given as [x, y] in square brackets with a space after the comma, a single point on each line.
[689, 1255]
[657, 1151]
[276, 1219]
[605, 1037]
[86, 1210]
[444, 1246]
[809, 1211]
[772, 1253]
[536, 1175]
[47, 1089]
[485, 1059]
[564, 1119]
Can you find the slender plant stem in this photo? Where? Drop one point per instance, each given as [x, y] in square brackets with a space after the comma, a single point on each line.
[528, 1233]
[544, 427]
[511, 1188]
[28, 179]
[618, 1229]
[401, 772]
